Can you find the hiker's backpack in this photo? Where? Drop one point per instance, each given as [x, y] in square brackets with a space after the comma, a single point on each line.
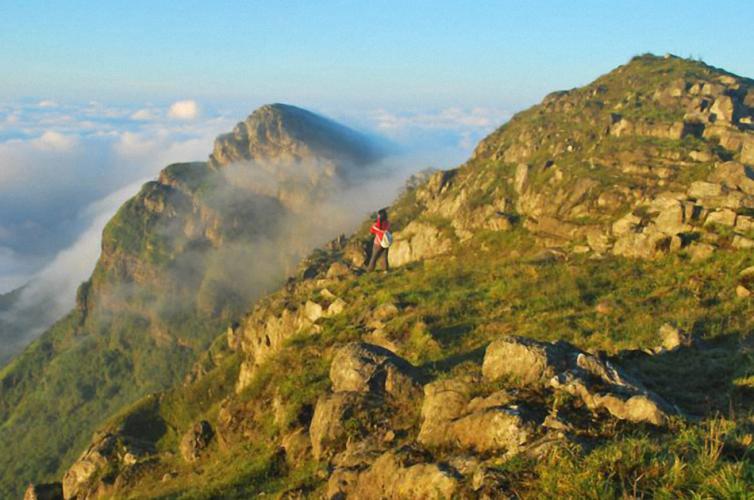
[386, 240]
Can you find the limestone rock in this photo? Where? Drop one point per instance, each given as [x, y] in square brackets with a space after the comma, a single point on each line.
[444, 401]
[297, 445]
[399, 474]
[498, 428]
[525, 360]
[603, 386]
[327, 430]
[701, 189]
[419, 240]
[77, 478]
[362, 367]
[673, 337]
[336, 307]
[626, 224]
[337, 269]
[742, 242]
[735, 176]
[312, 311]
[745, 282]
[744, 223]
[196, 440]
[724, 217]
[47, 491]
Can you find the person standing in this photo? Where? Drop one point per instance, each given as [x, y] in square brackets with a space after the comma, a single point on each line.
[382, 240]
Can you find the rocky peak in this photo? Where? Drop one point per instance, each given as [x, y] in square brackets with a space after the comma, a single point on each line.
[285, 133]
[651, 158]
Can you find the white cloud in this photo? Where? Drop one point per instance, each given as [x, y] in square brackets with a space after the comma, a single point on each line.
[47, 103]
[55, 141]
[184, 110]
[453, 118]
[144, 115]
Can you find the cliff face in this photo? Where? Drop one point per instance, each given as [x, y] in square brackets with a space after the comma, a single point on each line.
[179, 260]
[569, 316]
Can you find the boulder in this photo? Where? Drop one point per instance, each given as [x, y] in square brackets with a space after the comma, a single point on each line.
[673, 337]
[444, 401]
[362, 367]
[419, 240]
[495, 429]
[744, 223]
[77, 479]
[399, 474]
[724, 217]
[629, 223]
[297, 445]
[196, 440]
[645, 245]
[701, 189]
[328, 430]
[602, 386]
[524, 360]
[722, 109]
[47, 491]
[735, 176]
[313, 311]
[742, 242]
[338, 269]
[336, 307]
[747, 150]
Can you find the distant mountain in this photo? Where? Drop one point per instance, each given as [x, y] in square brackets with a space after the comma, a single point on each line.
[180, 261]
[18, 324]
[568, 315]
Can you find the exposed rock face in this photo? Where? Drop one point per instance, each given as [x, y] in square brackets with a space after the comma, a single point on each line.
[196, 440]
[525, 360]
[599, 383]
[361, 374]
[328, 430]
[603, 386]
[262, 333]
[396, 475]
[673, 337]
[50, 491]
[284, 132]
[361, 367]
[417, 241]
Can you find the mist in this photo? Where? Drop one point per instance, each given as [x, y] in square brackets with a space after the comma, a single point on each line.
[64, 172]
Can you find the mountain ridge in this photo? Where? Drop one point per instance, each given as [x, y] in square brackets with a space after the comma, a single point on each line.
[179, 260]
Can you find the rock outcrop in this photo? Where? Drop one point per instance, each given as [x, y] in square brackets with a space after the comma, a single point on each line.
[196, 440]
[599, 383]
[48, 491]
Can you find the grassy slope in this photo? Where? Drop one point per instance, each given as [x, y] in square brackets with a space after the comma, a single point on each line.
[452, 306]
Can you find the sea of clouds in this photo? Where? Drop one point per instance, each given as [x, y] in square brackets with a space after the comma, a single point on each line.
[65, 168]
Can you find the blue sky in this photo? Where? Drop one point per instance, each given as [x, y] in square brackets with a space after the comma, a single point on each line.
[339, 53]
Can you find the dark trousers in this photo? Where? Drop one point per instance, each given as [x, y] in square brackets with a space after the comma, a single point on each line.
[377, 252]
